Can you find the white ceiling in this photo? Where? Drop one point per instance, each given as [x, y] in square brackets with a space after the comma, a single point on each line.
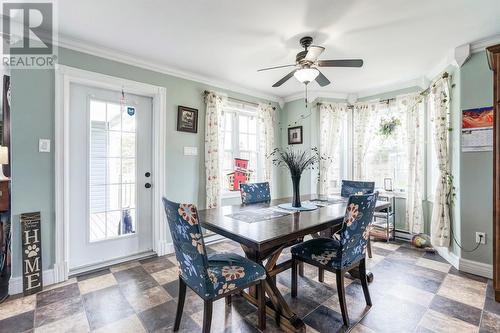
[229, 40]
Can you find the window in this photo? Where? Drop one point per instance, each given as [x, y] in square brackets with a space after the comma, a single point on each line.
[112, 171]
[387, 157]
[240, 140]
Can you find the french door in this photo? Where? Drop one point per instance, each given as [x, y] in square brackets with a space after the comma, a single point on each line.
[110, 158]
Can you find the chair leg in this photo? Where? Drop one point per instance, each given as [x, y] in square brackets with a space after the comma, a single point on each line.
[294, 277]
[180, 304]
[369, 247]
[301, 269]
[341, 291]
[229, 300]
[207, 316]
[261, 293]
[364, 282]
[321, 274]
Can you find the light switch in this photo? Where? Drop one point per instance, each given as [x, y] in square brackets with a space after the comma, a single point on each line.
[44, 145]
[190, 151]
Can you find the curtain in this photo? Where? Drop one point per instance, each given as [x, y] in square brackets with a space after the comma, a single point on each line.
[410, 106]
[213, 140]
[363, 130]
[330, 118]
[439, 103]
[266, 138]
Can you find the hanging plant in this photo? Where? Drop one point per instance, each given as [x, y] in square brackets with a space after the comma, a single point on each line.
[388, 126]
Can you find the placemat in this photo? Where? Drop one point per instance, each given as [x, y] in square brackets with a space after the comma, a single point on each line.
[258, 215]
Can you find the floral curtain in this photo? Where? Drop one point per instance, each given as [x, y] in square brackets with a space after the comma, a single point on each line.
[363, 130]
[331, 116]
[213, 140]
[266, 138]
[439, 103]
[410, 106]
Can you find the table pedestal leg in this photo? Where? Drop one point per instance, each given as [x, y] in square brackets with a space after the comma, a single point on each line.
[277, 307]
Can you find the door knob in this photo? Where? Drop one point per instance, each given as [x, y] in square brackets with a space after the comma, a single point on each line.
[147, 185]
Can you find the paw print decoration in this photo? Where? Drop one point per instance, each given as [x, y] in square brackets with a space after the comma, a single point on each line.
[32, 250]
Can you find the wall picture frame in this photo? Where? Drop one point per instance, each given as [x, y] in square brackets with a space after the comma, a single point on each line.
[187, 119]
[295, 135]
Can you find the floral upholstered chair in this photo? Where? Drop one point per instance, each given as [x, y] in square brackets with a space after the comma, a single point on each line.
[341, 255]
[255, 192]
[350, 187]
[214, 277]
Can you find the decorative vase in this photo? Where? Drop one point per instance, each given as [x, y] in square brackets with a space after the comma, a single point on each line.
[296, 192]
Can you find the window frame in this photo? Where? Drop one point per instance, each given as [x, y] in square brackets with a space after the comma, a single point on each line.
[237, 110]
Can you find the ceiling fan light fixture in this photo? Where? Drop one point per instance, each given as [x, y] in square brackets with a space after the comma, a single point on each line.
[306, 75]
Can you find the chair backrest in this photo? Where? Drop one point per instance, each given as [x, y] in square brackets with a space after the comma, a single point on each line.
[356, 227]
[350, 187]
[255, 192]
[188, 244]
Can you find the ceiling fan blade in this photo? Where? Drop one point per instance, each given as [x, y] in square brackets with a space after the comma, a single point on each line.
[283, 80]
[341, 63]
[322, 80]
[268, 68]
[313, 52]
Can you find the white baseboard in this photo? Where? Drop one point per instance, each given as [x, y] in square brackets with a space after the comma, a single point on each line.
[466, 265]
[476, 268]
[16, 283]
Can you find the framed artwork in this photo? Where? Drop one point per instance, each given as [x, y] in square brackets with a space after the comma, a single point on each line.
[187, 119]
[295, 135]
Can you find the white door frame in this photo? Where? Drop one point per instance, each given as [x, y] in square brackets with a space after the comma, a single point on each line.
[64, 76]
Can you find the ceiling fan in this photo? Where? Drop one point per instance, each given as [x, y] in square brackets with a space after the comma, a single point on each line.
[307, 63]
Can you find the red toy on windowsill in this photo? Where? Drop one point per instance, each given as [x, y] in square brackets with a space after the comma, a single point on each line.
[240, 175]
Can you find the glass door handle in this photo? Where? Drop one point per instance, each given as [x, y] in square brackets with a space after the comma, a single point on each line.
[147, 185]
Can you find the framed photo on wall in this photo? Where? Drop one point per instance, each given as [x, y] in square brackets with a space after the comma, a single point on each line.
[295, 135]
[187, 119]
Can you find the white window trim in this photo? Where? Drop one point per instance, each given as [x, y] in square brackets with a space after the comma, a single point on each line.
[246, 110]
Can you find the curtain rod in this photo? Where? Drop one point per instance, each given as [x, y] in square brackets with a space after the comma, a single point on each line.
[445, 75]
[239, 100]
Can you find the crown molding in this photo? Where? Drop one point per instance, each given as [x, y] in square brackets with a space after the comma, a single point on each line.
[439, 67]
[128, 59]
[417, 82]
[482, 44]
[314, 94]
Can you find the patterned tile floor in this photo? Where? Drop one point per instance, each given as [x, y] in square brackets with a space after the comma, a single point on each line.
[412, 292]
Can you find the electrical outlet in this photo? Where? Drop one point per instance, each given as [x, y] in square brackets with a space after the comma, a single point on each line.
[480, 237]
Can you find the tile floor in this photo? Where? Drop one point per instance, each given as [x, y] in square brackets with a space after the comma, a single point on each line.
[412, 292]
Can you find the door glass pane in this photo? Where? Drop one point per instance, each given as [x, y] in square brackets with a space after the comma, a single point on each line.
[112, 171]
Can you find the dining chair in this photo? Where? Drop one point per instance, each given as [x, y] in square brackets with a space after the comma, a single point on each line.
[350, 187]
[210, 277]
[341, 255]
[255, 192]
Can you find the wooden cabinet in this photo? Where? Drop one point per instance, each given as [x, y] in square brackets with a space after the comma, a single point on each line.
[4, 195]
[494, 62]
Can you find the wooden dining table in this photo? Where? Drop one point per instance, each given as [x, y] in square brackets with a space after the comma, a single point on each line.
[263, 242]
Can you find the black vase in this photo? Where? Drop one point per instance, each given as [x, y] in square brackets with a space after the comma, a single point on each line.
[296, 191]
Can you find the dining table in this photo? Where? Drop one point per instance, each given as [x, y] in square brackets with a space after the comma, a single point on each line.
[267, 231]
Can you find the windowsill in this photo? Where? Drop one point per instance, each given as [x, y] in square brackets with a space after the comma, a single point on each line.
[230, 194]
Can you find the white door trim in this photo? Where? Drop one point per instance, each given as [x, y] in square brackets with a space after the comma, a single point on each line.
[64, 76]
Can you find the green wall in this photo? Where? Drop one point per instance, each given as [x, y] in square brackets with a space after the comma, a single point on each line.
[476, 177]
[33, 172]
[33, 118]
